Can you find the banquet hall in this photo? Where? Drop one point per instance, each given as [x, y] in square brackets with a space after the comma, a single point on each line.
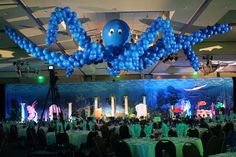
[127, 78]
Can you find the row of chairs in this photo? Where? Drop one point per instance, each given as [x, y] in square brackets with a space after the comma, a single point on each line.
[3, 138]
[166, 148]
[213, 143]
[63, 147]
[37, 144]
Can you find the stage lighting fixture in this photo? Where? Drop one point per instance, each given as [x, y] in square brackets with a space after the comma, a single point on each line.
[40, 79]
[195, 74]
[170, 59]
[50, 67]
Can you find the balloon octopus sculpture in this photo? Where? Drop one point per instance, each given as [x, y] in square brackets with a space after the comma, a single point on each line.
[117, 51]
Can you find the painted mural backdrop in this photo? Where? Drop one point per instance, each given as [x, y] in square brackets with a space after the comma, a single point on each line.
[191, 94]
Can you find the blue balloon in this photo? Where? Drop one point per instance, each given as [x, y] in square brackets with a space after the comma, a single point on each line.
[117, 52]
[116, 33]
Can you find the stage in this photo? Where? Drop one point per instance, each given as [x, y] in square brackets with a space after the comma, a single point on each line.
[120, 98]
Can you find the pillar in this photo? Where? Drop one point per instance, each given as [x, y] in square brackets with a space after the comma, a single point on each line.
[45, 116]
[22, 112]
[112, 106]
[144, 99]
[95, 103]
[126, 104]
[69, 110]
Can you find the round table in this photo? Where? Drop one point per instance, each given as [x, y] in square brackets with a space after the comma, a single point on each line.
[76, 137]
[222, 124]
[117, 128]
[51, 138]
[227, 154]
[201, 131]
[143, 147]
[22, 132]
[45, 129]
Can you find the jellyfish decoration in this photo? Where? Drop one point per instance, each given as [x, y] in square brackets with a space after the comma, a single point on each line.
[177, 109]
[117, 50]
[219, 105]
[54, 111]
[32, 114]
[201, 103]
[186, 105]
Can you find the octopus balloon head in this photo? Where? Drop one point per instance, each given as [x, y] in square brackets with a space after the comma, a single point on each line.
[116, 33]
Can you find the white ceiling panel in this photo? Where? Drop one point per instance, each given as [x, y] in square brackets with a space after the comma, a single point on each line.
[137, 13]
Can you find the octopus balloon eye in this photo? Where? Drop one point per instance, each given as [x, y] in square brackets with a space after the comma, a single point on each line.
[111, 31]
[119, 31]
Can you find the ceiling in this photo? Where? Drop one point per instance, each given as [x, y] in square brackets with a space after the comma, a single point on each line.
[30, 18]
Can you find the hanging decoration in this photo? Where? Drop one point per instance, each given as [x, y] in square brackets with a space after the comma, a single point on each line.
[219, 105]
[117, 51]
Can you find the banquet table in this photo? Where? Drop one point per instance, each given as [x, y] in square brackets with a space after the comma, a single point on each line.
[45, 129]
[22, 132]
[201, 131]
[116, 128]
[76, 137]
[6, 127]
[222, 124]
[227, 154]
[143, 147]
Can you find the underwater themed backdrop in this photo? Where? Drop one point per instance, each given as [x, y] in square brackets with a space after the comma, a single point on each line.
[186, 95]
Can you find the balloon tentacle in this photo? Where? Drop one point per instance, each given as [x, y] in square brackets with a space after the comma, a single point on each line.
[72, 22]
[185, 42]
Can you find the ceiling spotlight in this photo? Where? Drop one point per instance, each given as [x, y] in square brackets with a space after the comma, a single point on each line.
[208, 59]
[80, 48]
[170, 59]
[63, 24]
[132, 40]
[207, 69]
[207, 66]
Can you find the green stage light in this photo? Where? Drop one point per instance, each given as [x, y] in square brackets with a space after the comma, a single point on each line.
[40, 79]
[195, 74]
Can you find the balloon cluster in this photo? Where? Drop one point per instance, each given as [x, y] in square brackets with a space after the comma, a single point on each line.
[141, 55]
[74, 26]
[125, 56]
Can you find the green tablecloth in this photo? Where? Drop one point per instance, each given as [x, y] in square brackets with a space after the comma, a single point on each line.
[145, 147]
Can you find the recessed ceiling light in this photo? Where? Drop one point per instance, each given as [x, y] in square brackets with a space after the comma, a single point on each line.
[80, 48]
[63, 24]
[211, 48]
